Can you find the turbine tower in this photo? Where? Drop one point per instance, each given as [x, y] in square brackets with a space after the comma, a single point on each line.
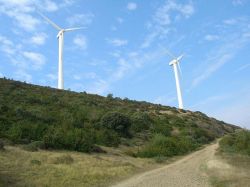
[60, 37]
[175, 63]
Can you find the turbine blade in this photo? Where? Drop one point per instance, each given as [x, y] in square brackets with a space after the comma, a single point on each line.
[179, 68]
[73, 29]
[170, 54]
[180, 57]
[50, 22]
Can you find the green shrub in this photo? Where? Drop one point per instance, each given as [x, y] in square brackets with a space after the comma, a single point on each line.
[164, 129]
[24, 132]
[71, 139]
[1, 145]
[140, 121]
[116, 121]
[107, 137]
[203, 136]
[238, 142]
[161, 145]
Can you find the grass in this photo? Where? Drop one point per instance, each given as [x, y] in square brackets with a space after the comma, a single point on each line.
[229, 170]
[19, 167]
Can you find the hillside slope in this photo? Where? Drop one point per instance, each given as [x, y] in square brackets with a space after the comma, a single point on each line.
[49, 118]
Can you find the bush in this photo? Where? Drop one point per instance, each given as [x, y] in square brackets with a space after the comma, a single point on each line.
[203, 136]
[162, 146]
[1, 145]
[71, 139]
[140, 121]
[25, 132]
[164, 129]
[108, 138]
[116, 121]
[238, 142]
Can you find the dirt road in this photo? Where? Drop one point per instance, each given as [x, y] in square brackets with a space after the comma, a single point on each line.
[186, 172]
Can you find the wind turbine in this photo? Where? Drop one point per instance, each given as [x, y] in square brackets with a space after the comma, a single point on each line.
[176, 65]
[60, 37]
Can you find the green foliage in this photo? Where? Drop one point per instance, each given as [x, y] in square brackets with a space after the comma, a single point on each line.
[116, 121]
[61, 119]
[238, 142]
[162, 146]
[164, 129]
[140, 121]
[203, 136]
[1, 145]
[71, 139]
[25, 132]
[107, 138]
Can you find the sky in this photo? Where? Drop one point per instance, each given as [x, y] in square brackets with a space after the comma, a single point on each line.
[123, 50]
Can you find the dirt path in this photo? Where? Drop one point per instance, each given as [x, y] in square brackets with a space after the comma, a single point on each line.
[186, 172]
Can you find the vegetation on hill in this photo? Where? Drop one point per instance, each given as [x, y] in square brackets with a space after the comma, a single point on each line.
[238, 142]
[232, 160]
[47, 118]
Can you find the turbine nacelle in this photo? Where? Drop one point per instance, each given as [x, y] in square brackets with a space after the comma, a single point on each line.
[175, 61]
[60, 33]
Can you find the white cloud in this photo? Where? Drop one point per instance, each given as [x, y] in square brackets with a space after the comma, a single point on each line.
[80, 41]
[230, 21]
[117, 42]
[80, 19]
[20, 11]
[89, 75]
[23, 76]
[52, 76]
[236, 113]
[122, 69]
[99, 87]
[131, 6]
[113, 28]
[6, 46]
[27, 22]
[210, 37]
[219, 61]
[37, 60]
[165, 100]
[149, 39]
[38, 39]
[167, 13]
[119, 20]
[238, 2]
[164, 13]
[50, 6]
[243, 67]
[224, 53]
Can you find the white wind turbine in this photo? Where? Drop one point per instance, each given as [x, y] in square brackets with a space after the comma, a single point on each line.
[60, 37]
[175, 62]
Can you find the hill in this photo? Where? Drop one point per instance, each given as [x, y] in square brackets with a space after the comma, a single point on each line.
[48, 118]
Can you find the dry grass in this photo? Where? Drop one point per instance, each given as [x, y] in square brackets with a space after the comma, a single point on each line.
[64, 168]
[229, 170]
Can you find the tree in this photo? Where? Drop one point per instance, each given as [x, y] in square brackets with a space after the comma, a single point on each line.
[117, 122]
